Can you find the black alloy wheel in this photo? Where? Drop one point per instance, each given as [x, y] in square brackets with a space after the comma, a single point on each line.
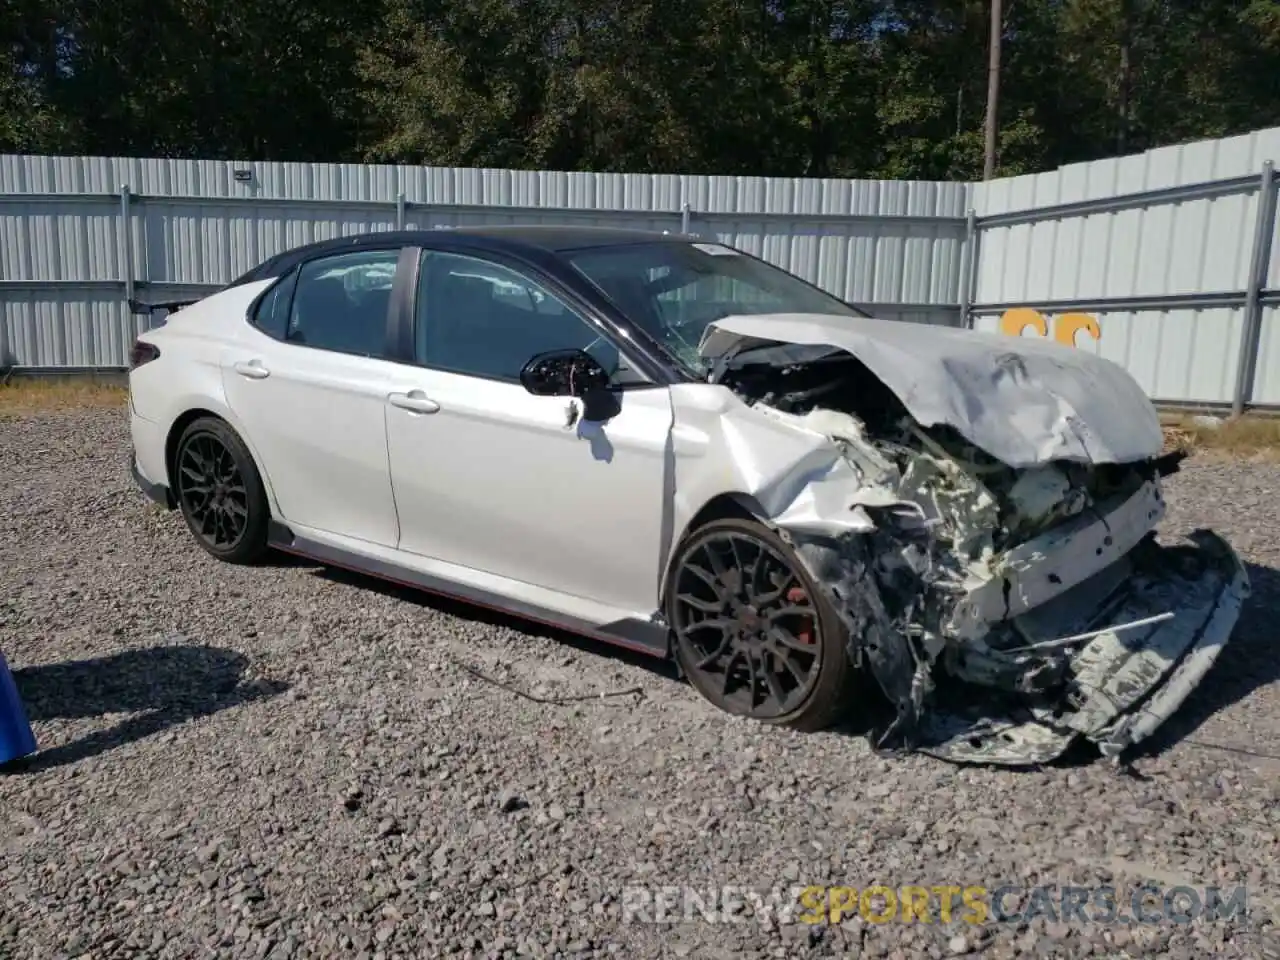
[754, 634]
[220, 492]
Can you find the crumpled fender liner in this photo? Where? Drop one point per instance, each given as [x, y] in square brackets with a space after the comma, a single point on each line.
[843, 570]
[842, 567]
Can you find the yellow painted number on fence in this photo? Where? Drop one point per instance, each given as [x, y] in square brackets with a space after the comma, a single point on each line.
[1065, 327]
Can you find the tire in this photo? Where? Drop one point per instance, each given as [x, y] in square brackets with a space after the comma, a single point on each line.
[220, 492]
[756, 601]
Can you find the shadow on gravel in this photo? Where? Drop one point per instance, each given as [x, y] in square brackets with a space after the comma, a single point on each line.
[162, 686]
[478, 614]
[1249, 661]
[279, 560]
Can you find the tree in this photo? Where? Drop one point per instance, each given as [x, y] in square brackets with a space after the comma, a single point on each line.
[805, 88]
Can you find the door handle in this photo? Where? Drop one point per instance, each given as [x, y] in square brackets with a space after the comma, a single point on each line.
[414, 401]
[253, 369]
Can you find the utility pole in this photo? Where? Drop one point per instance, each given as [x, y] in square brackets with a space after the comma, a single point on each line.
[993, 90]
[1126, 75]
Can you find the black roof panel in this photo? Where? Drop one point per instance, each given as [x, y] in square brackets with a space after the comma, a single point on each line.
[558, 238]
[545, 238]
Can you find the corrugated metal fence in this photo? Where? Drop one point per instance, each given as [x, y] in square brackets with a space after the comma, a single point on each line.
[80, 236]
[1163, 261]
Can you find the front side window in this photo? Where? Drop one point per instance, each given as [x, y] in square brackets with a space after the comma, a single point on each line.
[342, 303]
[674, 289]
[482, 319]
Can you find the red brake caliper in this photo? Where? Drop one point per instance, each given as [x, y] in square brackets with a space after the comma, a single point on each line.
[796, 595]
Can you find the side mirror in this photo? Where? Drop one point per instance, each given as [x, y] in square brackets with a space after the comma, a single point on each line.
[573, 373]
[564, 373]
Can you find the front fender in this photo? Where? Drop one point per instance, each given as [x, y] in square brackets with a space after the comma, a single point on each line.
[726, 455]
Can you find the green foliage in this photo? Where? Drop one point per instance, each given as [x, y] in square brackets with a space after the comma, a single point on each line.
[849, 88]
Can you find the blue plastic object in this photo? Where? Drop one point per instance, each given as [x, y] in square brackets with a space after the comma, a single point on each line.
[16, 736]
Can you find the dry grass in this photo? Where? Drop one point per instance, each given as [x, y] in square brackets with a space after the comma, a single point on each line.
[1249, 436]
[22, 396]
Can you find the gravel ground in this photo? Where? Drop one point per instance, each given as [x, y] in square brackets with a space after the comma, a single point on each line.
[284, 762]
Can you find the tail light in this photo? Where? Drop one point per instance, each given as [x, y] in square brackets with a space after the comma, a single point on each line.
[141, 353]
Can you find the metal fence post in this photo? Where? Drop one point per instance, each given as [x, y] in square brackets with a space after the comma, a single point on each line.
[1260, 264]
[400, 211]
[684, 218]
[126, 241]
[968, 268]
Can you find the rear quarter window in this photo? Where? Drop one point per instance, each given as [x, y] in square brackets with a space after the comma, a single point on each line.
[271, 315]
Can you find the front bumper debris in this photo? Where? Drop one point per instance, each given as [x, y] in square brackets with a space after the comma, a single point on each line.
[1117, 687]
[1039, 571]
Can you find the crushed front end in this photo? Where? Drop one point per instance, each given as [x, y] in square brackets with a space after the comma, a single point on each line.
[1004, 612]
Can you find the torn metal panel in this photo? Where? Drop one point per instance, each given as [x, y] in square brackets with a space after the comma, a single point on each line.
[1026, 402]
[828, 506]
[771, 462]
[720, 445]
[976, 737]
[1047, 566]
[800, 476]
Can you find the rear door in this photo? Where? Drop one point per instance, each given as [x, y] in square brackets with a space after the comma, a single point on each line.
[310, 380]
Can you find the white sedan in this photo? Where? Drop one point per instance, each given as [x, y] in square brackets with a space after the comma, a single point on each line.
[672, 445]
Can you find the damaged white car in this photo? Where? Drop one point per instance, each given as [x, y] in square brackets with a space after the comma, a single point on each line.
[674, 446]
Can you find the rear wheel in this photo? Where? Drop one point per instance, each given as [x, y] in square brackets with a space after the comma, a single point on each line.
[220, 492]
[753, 633]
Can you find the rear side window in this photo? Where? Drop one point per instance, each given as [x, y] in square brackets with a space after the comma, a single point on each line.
[272, 314]
[342, 303]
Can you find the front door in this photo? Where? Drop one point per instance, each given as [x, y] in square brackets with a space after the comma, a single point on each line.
[493, 478]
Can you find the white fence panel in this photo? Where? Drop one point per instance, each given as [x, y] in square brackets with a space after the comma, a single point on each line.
[195, 225]
[1267, 380]
[1159, 248]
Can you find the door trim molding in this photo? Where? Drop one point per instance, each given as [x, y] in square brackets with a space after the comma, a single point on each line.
[650, 637]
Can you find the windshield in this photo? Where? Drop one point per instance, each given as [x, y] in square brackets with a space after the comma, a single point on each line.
[674, 290]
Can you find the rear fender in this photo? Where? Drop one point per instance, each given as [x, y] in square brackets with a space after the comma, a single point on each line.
[213, 400]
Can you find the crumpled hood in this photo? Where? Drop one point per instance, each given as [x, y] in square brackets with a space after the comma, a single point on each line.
[1023, 401]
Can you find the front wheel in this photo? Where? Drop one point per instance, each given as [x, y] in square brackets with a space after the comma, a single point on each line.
[220, 492]
[753, 633]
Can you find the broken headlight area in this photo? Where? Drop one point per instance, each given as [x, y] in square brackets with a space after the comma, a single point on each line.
[1007, 613]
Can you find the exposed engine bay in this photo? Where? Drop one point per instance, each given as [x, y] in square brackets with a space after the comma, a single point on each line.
[1005, 612]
